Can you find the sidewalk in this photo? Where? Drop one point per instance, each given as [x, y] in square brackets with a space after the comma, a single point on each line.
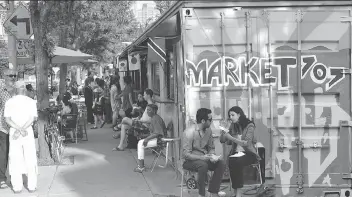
[100, 172]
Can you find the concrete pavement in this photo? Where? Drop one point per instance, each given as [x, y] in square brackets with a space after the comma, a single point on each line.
[100, 172]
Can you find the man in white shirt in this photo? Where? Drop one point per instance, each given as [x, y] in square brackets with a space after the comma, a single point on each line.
[20, 112]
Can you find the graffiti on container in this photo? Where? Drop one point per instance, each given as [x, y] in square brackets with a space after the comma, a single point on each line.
[259, 71]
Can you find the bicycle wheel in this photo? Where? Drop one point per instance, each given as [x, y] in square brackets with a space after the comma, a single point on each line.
[54, 152]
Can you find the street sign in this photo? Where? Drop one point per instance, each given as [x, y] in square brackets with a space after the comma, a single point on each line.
[19, 23]
[24, 48]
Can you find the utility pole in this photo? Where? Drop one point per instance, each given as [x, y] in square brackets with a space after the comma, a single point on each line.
[12, 41]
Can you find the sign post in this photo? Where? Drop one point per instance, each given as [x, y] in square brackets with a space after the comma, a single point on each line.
[12, 41]
[18, 24]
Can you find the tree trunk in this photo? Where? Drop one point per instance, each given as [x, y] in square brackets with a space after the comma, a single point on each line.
[68, 8]
[41, 65]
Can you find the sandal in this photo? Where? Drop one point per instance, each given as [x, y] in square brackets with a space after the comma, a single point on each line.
[116, 136]
[117, 149]
[3, 185]
[94, 128]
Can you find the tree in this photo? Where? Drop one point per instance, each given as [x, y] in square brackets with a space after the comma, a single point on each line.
[162, 6]
[40, 12]
[94, 27]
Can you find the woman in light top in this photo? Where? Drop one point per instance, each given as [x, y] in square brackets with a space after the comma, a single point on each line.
[243, 152]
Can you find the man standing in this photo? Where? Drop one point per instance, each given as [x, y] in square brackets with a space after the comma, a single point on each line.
[20, 112]
[199, 153]
[88, 99]
[4, 138]
[157, 129]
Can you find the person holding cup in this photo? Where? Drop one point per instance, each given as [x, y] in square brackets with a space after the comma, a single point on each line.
[240, 134]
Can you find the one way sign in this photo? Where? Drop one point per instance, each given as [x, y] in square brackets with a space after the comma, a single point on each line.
[19, 23]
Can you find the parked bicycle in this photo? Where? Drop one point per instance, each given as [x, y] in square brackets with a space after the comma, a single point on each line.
[52, 133]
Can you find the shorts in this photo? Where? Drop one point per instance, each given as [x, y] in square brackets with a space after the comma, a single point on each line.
[98, 110]
[128, 112]
[139, 127]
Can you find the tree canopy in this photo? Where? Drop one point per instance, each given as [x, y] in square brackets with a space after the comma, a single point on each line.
[162, 6]
[95, 27]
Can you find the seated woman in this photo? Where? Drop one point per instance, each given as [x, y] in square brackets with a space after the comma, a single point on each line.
[66, 109]
[241, 136]
[140, 124]
[137, 112]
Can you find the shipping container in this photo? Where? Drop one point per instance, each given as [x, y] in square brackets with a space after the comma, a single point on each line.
[287, 64]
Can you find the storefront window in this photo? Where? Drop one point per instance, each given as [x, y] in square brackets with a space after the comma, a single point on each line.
[136, 80]
[156, 78]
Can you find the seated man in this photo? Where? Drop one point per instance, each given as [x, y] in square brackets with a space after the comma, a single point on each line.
[140, 124]
[157, 128]
[67, 108]
[199, 150]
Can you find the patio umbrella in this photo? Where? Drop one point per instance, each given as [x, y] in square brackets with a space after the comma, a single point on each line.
[60, 55]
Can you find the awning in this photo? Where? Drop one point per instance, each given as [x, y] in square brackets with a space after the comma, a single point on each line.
[170, 28]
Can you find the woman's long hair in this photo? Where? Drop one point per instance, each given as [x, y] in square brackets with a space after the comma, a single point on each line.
[243, 121]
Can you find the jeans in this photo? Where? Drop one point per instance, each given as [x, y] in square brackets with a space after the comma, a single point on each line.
[4, 152]
[202, 167]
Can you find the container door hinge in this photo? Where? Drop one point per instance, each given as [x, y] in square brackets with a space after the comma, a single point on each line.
[282, 146]
[299, 142]
[344, 19]
[347, 176]
[346, 71]
[345, 123]
[299, 181]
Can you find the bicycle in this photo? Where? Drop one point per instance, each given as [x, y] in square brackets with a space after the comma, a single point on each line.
[52, 134]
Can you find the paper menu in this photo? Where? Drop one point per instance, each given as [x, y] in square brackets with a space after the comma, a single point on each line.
[239, 154]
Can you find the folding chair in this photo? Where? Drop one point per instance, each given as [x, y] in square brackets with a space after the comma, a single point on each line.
[163, 145]
[82, 123]
[69, 122]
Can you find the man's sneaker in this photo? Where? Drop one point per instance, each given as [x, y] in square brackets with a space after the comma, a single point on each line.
[17, 192]
[139, 169]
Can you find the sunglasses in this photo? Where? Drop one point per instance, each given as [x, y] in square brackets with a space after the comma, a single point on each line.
[13, 76]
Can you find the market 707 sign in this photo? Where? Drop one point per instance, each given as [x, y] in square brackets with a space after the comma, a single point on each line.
[204, 74]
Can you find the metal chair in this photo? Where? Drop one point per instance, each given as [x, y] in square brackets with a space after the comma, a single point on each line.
[69, 122]
[163, 145]
[82, 124]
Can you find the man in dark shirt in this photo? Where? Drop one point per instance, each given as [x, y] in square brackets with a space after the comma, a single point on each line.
[157, 128]
[199, 153]
[88, 99]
